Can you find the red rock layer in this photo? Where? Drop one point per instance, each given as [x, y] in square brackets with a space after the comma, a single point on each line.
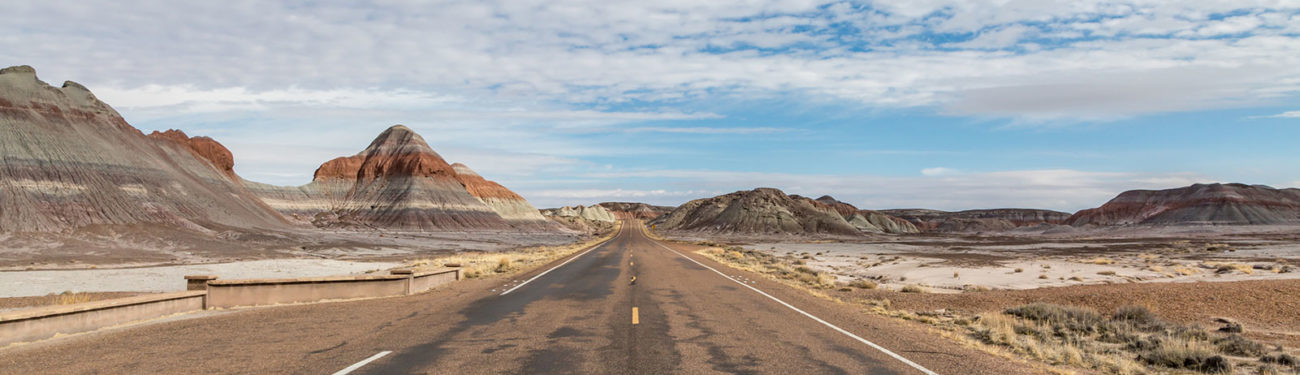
[480, 187]
[397, 152]
[1213, 204]
[204, 147]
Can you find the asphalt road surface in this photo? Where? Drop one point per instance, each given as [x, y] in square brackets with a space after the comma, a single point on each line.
[632, 305]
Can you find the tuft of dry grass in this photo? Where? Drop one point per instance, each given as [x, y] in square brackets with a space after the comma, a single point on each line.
[863, 284]
[913, 288]
[1100, 261]
[69, 298]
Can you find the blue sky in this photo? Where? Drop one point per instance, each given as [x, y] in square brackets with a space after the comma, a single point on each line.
[938, 104]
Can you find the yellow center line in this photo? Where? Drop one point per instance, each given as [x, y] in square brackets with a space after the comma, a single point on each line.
[635, 318]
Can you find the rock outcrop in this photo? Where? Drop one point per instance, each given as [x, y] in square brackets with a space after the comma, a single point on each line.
[68, 161]
[771, 211]
[1200, 204]
[990, 220]
[633, 210]
[868, 220]
[399, 182]
[587, 219]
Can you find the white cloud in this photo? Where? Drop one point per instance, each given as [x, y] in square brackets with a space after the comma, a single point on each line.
[1287, 114]
[565, 53]
[937, 171]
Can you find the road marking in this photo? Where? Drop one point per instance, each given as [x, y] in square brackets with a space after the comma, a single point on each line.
[819, 320]
[635, 318]
[363, 362]
[562, 264]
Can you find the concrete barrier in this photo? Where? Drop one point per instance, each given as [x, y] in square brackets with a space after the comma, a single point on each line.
[423, 281]
[45, 322]
[255, 292]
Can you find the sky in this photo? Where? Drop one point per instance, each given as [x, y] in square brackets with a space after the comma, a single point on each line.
[934, 103]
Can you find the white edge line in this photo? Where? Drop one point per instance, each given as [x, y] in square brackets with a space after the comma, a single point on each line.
[819, 320]
[363, 362]
[562, 264]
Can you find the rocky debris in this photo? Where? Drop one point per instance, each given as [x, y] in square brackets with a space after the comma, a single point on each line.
[399, 182]
[633, 210]
[771, 211]
[988, 220]
[69, 161]
[1199, 204]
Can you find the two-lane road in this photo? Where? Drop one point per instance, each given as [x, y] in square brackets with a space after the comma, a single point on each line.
[632, 305]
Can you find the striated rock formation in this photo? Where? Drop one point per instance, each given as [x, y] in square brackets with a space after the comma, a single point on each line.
[868, 220]
[512, 207]
[631, 210]
[1200, 204]
[991, 220]
[400, 182]
[68, 161]
[770, 211]
[587, 219]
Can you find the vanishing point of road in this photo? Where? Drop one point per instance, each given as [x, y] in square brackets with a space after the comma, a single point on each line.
[632, 305]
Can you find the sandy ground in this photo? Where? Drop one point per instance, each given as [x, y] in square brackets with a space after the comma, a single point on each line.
[949, 264]
[171, 278]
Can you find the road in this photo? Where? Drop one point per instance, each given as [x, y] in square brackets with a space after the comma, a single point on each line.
[632, 305]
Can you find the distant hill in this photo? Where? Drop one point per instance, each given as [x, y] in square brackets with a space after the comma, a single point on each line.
[632, 210]
[771, 211]
[988, 220]
[69, 161]
[400, 182]
[1203, 204]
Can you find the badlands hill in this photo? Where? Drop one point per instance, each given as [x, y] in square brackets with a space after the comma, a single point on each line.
[69, 161]
[632, 210]
[1200, 204]
[588, 219]
[771, 211]
[400, 182]
[990, 220]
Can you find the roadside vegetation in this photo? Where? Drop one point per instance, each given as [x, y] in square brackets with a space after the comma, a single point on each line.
[1130, 340]
[484, 264]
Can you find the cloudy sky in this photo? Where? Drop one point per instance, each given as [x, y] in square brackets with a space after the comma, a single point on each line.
[940, 104]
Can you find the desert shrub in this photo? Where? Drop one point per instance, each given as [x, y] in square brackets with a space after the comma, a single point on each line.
[504, 265]
[1106, 273]
[1019, 270]
[913, 288]
[1179, 353]
[1235, 344]
[1282, 359]
[1137, 315]
[1071, 318]
[863, 284]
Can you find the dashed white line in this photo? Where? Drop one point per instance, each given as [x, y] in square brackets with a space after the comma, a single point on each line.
[363, 362]
[561, 264]
[796, 309]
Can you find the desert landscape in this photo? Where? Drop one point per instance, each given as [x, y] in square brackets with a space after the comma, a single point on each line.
[762, 187]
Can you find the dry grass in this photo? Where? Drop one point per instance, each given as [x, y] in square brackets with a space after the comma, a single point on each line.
[778, 268]
[1227, 267]
[69, 298]
[483, 264]
[1100, 261]
[913, 288]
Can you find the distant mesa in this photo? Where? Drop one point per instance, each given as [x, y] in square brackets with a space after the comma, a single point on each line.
[633, 210]
[971, 221]
[771, 211]
[1199, 204]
